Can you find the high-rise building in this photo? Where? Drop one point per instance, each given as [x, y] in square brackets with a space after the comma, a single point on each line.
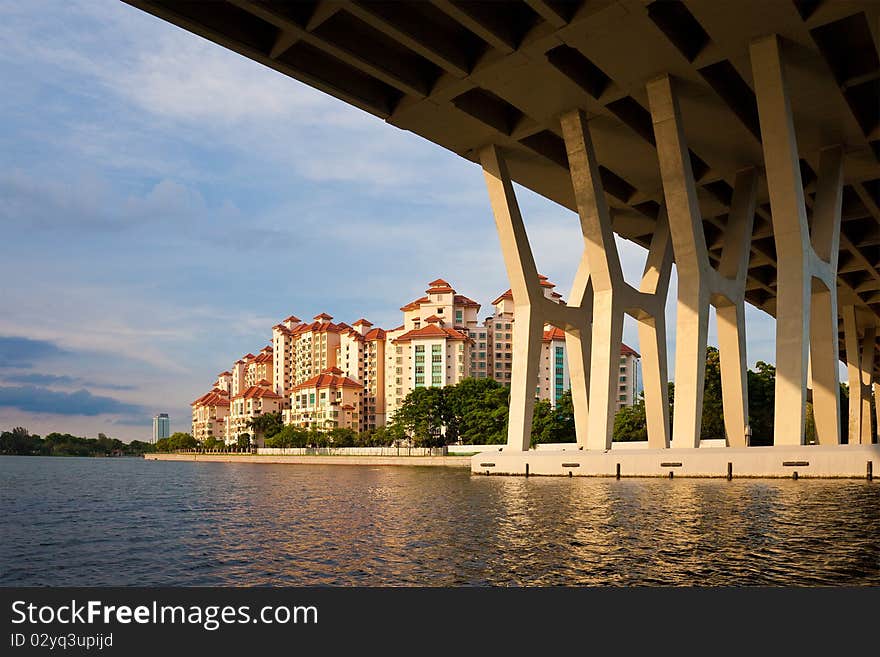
[322, 374]
[628, 387]
[209, 414]
[361, 356]
[433, 346]
[161, 427]
[256, 400]
[553, 376]
[499, 338]
[327, 401]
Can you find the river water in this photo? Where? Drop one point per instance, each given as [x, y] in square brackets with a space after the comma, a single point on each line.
[92, 521]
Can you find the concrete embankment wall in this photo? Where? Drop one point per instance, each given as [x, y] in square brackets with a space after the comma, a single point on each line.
[814, 461]
[453, 461]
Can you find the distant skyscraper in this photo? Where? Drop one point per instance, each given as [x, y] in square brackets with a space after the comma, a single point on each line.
[161, 426]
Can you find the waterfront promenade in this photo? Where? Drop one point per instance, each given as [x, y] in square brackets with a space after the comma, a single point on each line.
[303, 459]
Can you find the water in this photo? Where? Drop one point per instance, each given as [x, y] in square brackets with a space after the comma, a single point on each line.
[80, 521]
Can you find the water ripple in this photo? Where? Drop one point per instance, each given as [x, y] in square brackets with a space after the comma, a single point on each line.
[76, 522]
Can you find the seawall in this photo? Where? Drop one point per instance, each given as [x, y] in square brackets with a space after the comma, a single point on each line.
[448, 461]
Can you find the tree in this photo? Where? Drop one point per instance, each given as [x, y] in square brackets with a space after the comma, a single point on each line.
[212, 442]
[180, 440]
[341, 437]
[244, 441]
[630, 423]
[477, 411]
[421, 416]
[554, 425]
[762, 396]
[712, 425]
[289, 436]
[266, 425]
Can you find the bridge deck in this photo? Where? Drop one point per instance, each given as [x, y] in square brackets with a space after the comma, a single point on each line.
[462, 76]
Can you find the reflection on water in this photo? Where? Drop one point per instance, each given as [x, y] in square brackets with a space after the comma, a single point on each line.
[133, 522]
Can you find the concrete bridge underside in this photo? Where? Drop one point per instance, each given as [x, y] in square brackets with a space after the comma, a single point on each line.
[739, 140]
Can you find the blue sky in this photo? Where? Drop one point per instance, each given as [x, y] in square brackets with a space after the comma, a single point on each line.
[164, 202]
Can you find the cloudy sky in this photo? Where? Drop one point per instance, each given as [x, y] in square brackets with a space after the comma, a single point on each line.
[164, 202]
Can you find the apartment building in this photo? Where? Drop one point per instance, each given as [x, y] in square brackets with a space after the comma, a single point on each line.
[303, 349]
[553, 373]
[224, 382]
[499, 333]
[361, 356]
[209, 414]
[553, 367]
[323, 374]
[258, 368]
[250, 403]
[326, 401]
[433, 346]
[628, 387]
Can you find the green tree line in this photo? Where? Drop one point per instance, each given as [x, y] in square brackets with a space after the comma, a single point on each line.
[21, 442]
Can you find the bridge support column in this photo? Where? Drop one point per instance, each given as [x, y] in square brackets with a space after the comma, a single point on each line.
[854, 373]
[699, 284]
[532, 310]
[867, 384]
[806, 302]
[527, 297]
[613, 298]
[593, 318]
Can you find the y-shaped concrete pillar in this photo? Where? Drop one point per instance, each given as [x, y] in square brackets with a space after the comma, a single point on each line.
[613, 297]
[531, 310]
[802, 262]
[699, 284]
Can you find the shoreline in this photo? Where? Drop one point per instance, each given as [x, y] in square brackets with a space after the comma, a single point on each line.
[289, 459]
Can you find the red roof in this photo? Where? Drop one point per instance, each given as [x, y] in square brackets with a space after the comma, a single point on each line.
[438, 283]
[318, 327]
[433, 319]
[554, 333]
[293, 319]
[224, 374]
[363, 322]
[329, 378]
[264, 383]
[323, 316]
[413, 305]
[626, 350]
[214, 398]
[432, 331]
[506, 295]
[257, 392]
[461, 300]
[347, 407]
[264, 357]
[354, 335]
[375, 334]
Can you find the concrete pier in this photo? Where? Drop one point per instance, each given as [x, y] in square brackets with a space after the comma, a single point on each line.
[806, 461]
